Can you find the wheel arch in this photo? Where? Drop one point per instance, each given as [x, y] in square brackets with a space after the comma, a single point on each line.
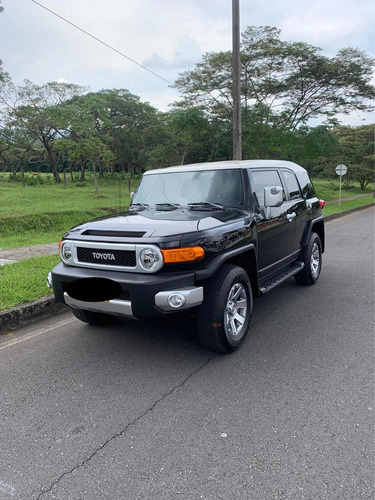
[315, 226]
[245, 257]
[318, 228]
[248, 262]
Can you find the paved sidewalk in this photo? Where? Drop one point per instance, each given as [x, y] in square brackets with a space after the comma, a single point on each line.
[24, 253]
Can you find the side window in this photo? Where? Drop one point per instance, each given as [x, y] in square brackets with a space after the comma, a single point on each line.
[292, 185]
[261, 179]
[307, 187]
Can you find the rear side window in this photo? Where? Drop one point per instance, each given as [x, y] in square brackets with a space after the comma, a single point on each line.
[261, 179]
[292, 185]
[306, 185]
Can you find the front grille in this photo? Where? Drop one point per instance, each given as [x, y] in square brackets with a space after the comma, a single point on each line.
[124, 258]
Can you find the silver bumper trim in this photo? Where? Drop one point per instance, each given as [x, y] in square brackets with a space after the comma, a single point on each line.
[49, 281]
[193, 296]
[116, 307]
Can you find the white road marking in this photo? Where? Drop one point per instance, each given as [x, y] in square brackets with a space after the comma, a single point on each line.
[36, 334]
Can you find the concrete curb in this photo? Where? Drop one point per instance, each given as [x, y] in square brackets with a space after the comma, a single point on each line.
[28, 313]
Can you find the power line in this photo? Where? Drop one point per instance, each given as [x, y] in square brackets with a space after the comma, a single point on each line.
[103, 43]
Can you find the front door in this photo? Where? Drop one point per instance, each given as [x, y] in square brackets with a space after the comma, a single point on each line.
[276, 230]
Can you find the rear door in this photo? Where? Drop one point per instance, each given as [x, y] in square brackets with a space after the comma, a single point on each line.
[297, 206]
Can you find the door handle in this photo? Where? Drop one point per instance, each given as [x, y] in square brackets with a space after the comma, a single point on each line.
[291, 216]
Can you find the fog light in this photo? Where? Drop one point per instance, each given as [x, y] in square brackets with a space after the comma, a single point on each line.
[176, 300]
[49, 280]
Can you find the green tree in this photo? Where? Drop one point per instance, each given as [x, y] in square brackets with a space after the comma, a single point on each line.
[355, 149]
[16, 149]
[120, 119]
[283, 83]
[39, 111]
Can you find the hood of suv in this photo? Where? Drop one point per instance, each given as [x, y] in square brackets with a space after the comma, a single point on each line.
[153, 223]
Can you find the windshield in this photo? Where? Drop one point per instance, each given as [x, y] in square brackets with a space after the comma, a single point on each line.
[222, 187]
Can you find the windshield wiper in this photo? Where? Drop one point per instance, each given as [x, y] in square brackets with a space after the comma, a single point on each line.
[166, 205]
[138, 206]
[205, 205]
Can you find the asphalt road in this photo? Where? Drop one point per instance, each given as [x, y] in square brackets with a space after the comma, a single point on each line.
[145, 412]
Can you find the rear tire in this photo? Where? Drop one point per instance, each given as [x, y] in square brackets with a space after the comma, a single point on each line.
[311, 256]
[93, 318]
[223, 319]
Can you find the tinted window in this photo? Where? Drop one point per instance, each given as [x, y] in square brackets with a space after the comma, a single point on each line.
[306, 185]
[262, 179]
[215, 186]
[292, 185]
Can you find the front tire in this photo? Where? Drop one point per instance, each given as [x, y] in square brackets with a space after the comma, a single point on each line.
[93, 318]
[311, 256]
[223, 319]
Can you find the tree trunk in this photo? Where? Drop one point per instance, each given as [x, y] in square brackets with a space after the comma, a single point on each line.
[56, 175]
[14, 175]
[130, 169]
[82, 178]
[23, 177]
[95, 178]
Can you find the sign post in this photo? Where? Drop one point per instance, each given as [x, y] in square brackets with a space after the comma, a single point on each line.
[341, 170]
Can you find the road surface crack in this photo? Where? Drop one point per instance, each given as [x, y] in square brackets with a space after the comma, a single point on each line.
[121, 433]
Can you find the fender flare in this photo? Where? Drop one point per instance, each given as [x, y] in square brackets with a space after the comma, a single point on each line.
[319, 221]
[210, 268]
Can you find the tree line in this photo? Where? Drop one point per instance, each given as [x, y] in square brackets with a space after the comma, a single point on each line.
[63, 127]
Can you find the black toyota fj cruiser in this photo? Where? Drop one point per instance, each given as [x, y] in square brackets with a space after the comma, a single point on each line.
[203, 238]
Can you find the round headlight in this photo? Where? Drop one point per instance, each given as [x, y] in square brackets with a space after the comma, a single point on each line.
[66, 253]
[150, 259]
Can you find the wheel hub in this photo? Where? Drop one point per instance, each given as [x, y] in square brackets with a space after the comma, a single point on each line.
[315, 260]
[235, 311]
[231, 308]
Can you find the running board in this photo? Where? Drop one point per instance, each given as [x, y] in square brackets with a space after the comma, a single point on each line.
[271, 282]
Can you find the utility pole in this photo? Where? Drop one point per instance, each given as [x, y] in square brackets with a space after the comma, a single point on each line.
[236, 73]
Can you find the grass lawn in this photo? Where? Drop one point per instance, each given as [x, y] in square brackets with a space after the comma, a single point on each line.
[329, 190]
[18, 201]
[348, 205]
[15, 289]
[42, 213]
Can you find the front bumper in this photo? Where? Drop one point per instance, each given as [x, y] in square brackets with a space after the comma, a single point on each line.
[148, 292]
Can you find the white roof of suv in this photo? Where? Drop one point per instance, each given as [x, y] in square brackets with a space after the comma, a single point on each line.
[231, 164]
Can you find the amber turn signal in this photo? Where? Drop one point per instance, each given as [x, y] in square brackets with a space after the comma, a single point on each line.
[182, 254]
[60, 245]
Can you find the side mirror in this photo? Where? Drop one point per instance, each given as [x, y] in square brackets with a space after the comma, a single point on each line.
[273, 196]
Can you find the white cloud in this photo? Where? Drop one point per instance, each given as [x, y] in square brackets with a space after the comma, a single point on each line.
[168, 36]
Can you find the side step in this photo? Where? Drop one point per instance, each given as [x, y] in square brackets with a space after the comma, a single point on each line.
[271, 282]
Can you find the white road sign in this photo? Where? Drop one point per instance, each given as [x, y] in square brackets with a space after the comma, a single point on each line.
[341, 169]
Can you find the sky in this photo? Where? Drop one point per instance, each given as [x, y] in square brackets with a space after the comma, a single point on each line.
[167, 36]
